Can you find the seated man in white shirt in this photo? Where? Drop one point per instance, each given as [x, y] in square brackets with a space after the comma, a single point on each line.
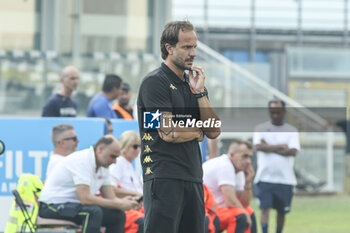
[229, 178]
[69, 190]
[65, 142]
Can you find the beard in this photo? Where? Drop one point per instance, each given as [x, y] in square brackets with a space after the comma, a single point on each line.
[181, 63]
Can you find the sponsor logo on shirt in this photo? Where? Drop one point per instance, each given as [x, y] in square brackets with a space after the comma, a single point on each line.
[173, 87]
[147, 149]
[147, 159]
[147, 137]
[148, 171]
[69, 111]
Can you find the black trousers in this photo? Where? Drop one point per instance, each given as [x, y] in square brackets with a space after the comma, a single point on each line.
[91, 217]
[173, 206]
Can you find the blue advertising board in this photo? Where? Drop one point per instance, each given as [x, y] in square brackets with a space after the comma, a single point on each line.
[28, 145]
[119, 126]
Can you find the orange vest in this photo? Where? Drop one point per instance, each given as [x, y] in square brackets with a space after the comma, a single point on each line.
[123, 112]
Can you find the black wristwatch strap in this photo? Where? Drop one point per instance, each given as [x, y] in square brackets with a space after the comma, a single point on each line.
[201, 94]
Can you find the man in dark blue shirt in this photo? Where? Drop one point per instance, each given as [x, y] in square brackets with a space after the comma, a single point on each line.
[61, 104]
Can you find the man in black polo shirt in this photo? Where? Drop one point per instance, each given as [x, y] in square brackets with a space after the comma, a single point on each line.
[171, 158]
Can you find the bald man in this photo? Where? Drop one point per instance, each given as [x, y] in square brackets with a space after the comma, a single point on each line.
[69, 190]
[61, 104]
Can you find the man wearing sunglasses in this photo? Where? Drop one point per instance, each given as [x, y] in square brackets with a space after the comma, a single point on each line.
[65, 142]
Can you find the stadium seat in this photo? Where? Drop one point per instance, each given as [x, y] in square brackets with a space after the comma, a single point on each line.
[53, 223]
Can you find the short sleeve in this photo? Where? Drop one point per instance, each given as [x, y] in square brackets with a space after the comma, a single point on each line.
[240, 180]
[81, 173]
[155, 94]
[294, 141]
[257, 136]
[226, 175]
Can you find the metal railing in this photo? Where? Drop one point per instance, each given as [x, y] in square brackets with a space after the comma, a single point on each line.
[26, 81]
[314, 14]
[234, 87]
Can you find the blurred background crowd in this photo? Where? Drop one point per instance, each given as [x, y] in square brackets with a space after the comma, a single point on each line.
[252, 51]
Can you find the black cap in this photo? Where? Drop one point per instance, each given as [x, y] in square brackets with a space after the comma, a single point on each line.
[125, 87]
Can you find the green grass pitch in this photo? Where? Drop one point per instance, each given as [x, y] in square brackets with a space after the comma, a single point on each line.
[313, 214]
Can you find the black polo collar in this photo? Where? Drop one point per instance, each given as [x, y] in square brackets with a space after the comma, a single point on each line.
[172, 75]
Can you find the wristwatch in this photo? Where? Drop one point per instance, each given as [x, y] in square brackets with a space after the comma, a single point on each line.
[201, 94]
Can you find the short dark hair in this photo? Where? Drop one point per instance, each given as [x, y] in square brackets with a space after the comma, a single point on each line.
[237, 142]
[125, 87]
[111, 81]
[105, 140]
[170, 34]
[276, 102]
[57, 130]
